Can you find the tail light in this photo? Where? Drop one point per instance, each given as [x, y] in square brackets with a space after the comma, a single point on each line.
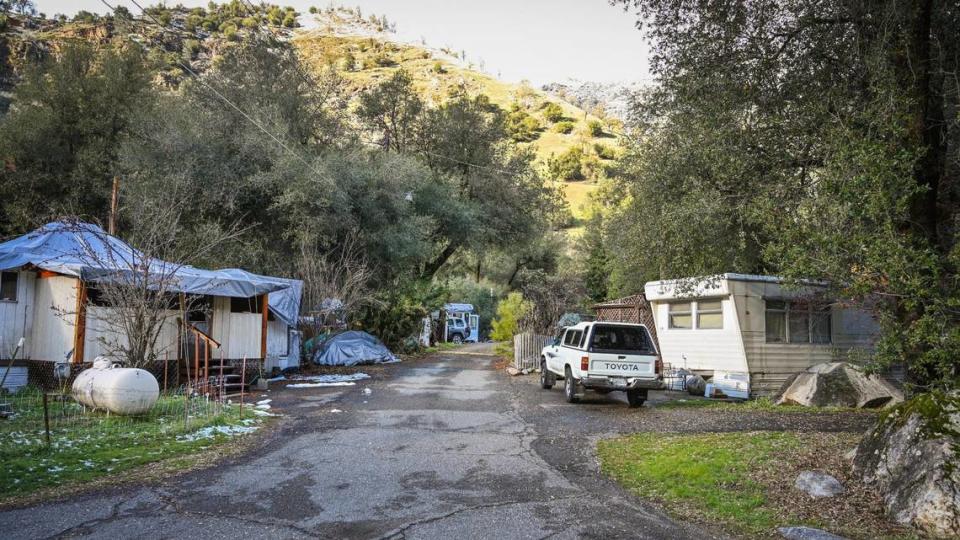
[584, 363]
[658, 366]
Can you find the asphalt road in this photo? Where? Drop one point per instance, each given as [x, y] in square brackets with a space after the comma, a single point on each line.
[441, 448]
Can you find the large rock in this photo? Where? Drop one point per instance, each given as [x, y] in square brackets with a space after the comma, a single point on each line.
[838, 384]
[912, 457]
[818, 484]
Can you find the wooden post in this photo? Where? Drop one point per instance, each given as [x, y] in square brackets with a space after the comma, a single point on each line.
[166, 362]
[196, 358]
[46, 417]
[112, 223]
[243, 382]
[221, 376]
[80, 328]
[263, 327]
[206, 365]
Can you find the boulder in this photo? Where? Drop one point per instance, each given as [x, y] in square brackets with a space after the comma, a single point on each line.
[513, 371]
[807, 533]
[912, 457]
[838, 384]
[818, 484]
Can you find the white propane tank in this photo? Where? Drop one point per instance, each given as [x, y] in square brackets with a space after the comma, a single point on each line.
[120, 390]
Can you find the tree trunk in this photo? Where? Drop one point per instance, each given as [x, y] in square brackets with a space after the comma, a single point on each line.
[435, 265]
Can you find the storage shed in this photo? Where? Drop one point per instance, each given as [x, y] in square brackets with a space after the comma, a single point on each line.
[754, 325]
[49, 281]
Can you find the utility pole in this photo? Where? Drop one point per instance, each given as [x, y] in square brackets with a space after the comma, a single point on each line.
[112, 223]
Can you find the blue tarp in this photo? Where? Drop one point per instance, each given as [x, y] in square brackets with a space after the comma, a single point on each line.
[352, 348]
[86, 251]
[458, 308]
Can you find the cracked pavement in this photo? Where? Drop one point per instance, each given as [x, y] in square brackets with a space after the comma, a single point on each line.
[441, 448]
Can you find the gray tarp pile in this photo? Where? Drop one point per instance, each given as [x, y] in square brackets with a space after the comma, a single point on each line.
[351, 349]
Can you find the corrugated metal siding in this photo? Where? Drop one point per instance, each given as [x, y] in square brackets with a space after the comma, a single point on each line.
[16, 318]
[771, 364]
[238, 333]
[53, 316]
[99, 329]
[701, 349]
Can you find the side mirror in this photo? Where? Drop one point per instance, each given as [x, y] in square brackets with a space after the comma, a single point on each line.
[555, 342]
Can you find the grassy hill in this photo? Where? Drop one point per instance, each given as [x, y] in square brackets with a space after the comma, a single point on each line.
[365, 51]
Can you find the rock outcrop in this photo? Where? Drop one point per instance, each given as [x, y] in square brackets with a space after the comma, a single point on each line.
[912, 457]
[838, 384]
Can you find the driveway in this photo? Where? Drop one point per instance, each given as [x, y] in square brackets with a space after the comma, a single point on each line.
[440, 448]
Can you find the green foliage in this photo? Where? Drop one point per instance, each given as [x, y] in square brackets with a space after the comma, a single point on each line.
[565, 127]
[509, 312]
[290, 19]
[521, 126]
[399, 311]
[60, 139]
[313, 10]
[85, 16]
[595, 128]
[604, 152]
[3, 22]
[597, 261]
[552, 112]
[567, 166]
[438, 68]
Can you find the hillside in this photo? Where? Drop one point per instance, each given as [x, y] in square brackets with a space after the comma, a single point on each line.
[365, 51]
[572, 146]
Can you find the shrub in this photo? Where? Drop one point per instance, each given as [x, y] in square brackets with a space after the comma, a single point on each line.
[564, 127]
[313, 10]
[567, 166]
[595, 128]
[553, 112]
[290, 19]
[231, 33]
[3, 22]
[509, 312]
[249, 22]
[604, 151]
[438, 67]
[521, 126]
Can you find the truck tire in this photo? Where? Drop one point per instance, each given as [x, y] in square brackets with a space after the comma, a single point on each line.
[457, 339]
[570, 386]
[547, 379]
[636, 398]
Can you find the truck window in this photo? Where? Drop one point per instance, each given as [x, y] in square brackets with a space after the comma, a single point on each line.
[572, 339]
[620, 339]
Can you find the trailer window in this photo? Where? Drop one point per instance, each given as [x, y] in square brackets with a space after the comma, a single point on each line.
[8, 286]
[680, 315]
[254, 304]
[710, 314]
[615, 338]
[797, 322]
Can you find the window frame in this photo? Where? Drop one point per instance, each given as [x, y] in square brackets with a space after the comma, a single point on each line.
[16, 286]
[568, 338]
[689, 312]
[811, 313]
[718, 311]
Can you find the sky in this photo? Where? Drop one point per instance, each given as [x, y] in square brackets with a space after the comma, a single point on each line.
[536, 40]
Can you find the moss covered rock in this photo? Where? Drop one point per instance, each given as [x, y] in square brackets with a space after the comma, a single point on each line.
[911, 457]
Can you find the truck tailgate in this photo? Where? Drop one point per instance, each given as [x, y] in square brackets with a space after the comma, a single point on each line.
[623, 365]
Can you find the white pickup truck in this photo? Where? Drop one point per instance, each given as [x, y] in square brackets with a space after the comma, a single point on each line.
[602, 356]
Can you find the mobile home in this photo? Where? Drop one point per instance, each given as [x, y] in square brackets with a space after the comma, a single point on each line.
[49, 298]
[754, 327]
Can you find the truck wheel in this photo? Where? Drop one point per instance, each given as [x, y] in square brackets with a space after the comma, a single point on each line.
[457, 339]
[636, 398]
[546, 378]
[569, 386]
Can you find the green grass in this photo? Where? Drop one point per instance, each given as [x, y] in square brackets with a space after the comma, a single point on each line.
[708, 472]
[87, 445]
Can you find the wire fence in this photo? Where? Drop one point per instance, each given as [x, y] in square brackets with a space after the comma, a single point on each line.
[32, 417]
